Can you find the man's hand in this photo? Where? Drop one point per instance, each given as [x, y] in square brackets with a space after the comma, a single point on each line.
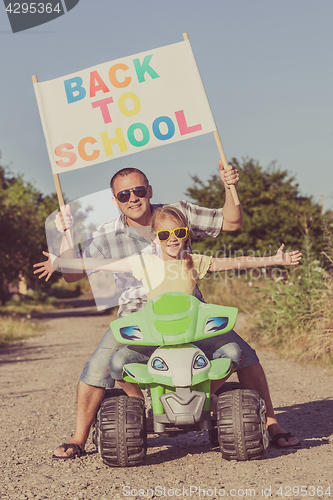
[228, 177]
[64, 219]
[232, 210]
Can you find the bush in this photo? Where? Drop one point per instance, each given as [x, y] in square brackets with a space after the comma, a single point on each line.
[297, 311]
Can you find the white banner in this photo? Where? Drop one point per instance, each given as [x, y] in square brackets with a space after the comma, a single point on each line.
[123, 107]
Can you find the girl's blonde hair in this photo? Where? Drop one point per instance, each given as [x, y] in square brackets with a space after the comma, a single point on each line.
[167, 213]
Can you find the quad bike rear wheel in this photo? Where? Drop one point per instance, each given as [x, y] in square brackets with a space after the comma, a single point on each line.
[241, 426]
[120, 430]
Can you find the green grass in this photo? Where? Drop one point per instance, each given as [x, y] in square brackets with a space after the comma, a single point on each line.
[13, 329]
[15, 316]
[30, 306]
[296, 314]
[293, 315]
[232, 291]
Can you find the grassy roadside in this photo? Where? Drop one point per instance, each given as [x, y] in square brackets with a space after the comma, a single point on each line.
[16, 322]
[13, 329]
[232, 290]
[293, 314]
[235, 291]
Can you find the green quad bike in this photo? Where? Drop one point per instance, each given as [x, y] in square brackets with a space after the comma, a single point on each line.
[178, 376]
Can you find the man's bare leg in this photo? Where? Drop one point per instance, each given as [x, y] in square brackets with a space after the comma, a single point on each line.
[253, 377]
[89, 399]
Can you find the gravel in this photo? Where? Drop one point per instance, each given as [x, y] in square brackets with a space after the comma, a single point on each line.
[38, 385]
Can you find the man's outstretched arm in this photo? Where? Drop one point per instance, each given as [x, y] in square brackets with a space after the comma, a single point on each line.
[232, 214]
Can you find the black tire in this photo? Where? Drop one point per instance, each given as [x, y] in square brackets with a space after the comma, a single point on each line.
[228, 386]
[213, 432]
[109, 393]
[121, 436]
[240, 424]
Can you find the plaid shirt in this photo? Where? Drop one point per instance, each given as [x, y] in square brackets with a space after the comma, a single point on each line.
[117, 240]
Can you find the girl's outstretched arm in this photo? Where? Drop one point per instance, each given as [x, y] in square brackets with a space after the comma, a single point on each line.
[53, 263]
[280, 259]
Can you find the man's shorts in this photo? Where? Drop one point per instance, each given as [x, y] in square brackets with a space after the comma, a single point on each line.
[96, 371]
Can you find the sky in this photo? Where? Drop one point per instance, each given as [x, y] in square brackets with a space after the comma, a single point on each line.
[266, 67]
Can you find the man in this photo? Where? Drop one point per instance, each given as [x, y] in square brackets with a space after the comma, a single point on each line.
[130, 233]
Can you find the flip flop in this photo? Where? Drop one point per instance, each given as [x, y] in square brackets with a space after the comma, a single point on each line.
[67, 446]
[286, 436]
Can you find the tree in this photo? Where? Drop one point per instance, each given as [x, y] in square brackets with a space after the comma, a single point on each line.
[23, 213]
[274, 211]
[23, 210]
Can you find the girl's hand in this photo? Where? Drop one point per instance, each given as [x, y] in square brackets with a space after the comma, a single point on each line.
[289, 258]
[47, 267]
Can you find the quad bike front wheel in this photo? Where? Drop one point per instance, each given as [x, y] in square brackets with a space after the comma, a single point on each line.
[242, 433]
[120, 430]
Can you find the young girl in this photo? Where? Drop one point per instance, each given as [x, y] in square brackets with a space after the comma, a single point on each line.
[172, 270]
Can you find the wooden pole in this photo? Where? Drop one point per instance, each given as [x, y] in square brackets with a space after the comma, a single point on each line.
[57, 184]
[58, 190]
[226, 166]
[221, 152]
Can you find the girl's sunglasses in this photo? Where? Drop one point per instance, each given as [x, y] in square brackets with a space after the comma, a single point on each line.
[139, 191]
[164, 235]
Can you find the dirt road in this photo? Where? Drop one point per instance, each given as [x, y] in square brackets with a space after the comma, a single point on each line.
[38, 385]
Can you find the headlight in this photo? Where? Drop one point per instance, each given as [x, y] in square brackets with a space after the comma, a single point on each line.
[200, 362]
[159, 364]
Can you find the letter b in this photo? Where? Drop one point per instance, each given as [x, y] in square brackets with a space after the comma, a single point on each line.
[74, 86]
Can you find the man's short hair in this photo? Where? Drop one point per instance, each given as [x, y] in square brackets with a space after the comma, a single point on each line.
[127, 171]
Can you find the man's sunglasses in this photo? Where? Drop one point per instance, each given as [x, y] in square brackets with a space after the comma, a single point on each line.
[164, 235]
[139, 191]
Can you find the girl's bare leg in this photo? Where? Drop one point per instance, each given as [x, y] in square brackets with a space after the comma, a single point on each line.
[216, 384]
[132, 390]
